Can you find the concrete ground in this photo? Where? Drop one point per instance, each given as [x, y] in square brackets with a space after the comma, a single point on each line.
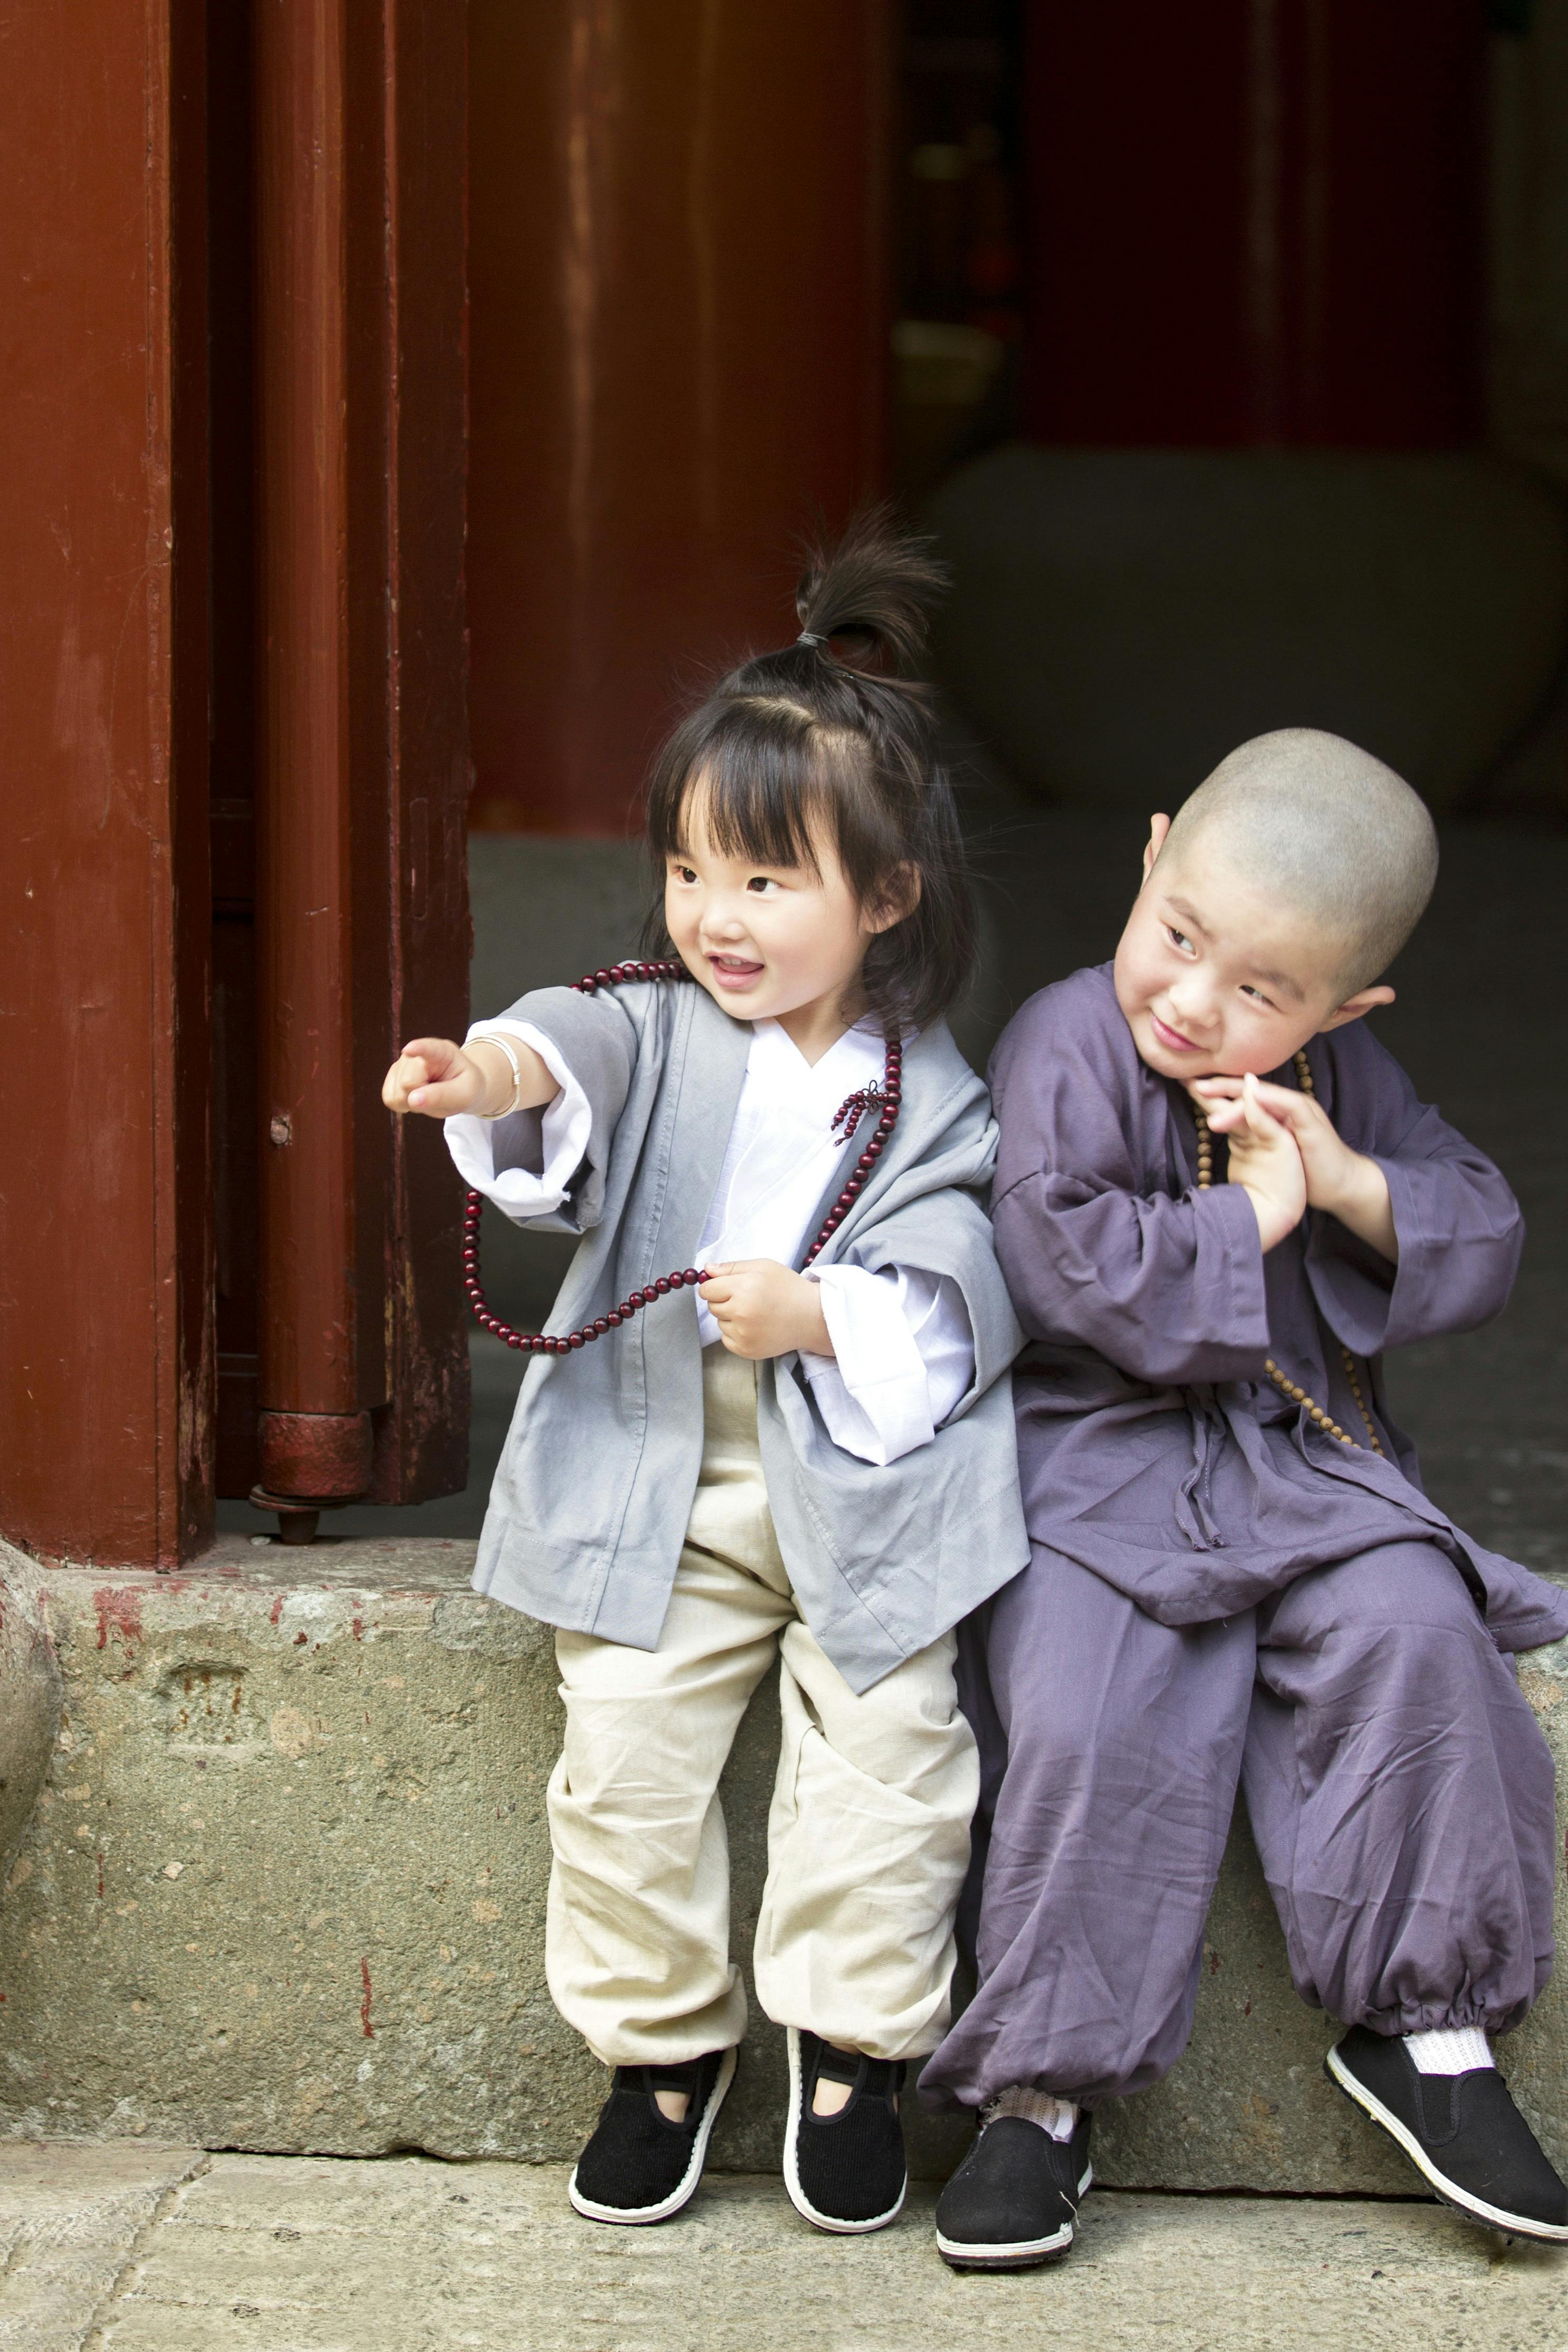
[139, 2249]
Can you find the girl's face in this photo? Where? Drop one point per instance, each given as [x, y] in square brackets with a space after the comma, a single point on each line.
[770, 942]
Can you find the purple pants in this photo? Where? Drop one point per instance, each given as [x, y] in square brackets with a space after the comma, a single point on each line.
[1400, 1792]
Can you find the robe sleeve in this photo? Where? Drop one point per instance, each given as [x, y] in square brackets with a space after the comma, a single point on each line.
[1459, 1226]
[903, 1356]
[546, 1168]
[1096, 1251]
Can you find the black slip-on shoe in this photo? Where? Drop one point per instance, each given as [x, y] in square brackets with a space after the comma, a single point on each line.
[1013, 2202]
[639, 2167]
[844, 2172]
[1462, 2131]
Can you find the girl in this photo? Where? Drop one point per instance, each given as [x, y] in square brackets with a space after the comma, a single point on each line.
[816, 1459]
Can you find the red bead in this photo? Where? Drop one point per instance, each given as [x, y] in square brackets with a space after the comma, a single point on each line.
[647, 1296]
[845, 1201]
[601, 1323]
[662, 1285]
[693, 1276]
[515, 1339]
[678, 1282]
[615, 1318]
[868, 1160]
[574, 1339]
[617, 974]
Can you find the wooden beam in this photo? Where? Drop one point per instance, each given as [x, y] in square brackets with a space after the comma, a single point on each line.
[359, 469]
[105, 1181]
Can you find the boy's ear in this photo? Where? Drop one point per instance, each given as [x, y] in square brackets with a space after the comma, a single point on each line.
[1365, 1000]
[1158, 826]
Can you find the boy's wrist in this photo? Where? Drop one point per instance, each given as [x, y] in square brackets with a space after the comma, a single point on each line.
[1357, 1186]
[1274, 1221]
[1362, 1204]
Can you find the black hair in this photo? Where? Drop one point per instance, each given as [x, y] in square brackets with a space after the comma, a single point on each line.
[830, 729]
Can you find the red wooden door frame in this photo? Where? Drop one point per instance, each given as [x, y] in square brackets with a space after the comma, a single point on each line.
[106, 564]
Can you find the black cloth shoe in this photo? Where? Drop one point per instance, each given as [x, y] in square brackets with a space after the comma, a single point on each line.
[1463, 2131]
[638, 2166]
[1013, 2202]
[844, 2172]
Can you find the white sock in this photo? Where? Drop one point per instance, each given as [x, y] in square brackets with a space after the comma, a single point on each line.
[1450, 2049]
[1057, 2117]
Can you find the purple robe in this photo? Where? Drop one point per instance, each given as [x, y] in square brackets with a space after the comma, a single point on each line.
[1219, 1592]
[1154, 1449]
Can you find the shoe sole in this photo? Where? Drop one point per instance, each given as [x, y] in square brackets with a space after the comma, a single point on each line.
[1475, 2208]
[1022, 2253]
[637, 2217]
[797, 2196]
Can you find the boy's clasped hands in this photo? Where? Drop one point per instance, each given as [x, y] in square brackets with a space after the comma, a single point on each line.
[1288, 1158]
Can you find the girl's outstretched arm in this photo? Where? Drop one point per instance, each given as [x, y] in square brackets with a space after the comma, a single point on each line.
[441, 1080]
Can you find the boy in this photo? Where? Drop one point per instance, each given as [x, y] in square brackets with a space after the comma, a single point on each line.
[1235, 1572]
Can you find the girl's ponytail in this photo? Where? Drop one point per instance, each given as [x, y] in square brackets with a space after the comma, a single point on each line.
[868, 598]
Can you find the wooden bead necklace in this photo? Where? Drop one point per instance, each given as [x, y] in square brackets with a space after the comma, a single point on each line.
[1287, 1387]
[885, 1100]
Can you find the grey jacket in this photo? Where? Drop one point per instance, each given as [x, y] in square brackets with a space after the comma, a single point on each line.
[595, 1484]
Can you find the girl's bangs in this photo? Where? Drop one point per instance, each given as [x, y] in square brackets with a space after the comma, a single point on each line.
[759, 798]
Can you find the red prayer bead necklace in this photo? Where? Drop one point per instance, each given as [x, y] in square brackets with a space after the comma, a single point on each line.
[885, 1100]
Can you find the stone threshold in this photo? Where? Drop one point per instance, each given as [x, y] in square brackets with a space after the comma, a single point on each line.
[285, 1890]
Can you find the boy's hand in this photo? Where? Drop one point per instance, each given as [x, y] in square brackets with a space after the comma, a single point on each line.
[1343, 1182]
[433, 1075]
[762, 1309]
[1264, 1158]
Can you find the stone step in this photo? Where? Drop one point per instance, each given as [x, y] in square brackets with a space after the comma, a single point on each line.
[284, 1890]
[139, 2249]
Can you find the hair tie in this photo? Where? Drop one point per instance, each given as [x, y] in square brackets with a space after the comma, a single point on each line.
[809, 638]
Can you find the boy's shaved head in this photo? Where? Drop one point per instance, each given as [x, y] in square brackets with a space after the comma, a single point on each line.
[1331, 829]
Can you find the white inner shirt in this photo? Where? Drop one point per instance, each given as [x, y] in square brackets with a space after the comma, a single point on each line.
[903, 1348]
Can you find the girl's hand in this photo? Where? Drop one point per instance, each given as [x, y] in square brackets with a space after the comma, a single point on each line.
[1343, 1182]
[1265, 1159]
[439, 1079]
[762, 1309]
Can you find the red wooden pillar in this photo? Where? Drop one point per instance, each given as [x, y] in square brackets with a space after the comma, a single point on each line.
[105, 1175]
[359, 133]
[130, 671]
[682, 293]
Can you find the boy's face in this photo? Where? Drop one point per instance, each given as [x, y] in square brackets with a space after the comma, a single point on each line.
[1216, 976]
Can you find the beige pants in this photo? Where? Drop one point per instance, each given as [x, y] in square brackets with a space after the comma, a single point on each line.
[868, 1832]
